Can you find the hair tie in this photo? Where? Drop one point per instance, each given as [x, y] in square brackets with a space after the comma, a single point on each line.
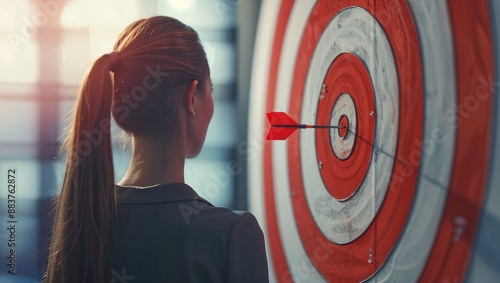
[114, 61]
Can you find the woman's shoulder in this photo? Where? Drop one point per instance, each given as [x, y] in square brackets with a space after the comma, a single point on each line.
[205, 216]
[201, 211]
[230, 240]
[238, 235]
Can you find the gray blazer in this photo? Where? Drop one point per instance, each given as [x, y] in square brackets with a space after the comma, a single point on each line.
[167, 233]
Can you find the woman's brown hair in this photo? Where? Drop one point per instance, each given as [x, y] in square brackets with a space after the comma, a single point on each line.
[139, 83]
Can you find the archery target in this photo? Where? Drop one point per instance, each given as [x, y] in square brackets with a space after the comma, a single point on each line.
[390, 196]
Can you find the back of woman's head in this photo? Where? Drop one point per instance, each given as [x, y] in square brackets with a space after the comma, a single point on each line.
[157, 56]
[140, 83]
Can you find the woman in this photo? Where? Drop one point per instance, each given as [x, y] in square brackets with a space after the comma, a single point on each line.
[151, 226]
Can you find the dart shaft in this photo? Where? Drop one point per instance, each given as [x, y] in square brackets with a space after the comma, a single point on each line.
[303, 126]
[326, 127]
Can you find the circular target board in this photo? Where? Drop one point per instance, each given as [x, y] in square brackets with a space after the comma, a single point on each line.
[393, 194]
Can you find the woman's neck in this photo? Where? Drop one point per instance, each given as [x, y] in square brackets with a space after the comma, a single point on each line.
[154, 162]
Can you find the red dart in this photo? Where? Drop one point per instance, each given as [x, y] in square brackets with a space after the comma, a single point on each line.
[282, 126]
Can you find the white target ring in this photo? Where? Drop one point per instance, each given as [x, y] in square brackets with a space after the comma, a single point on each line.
[343, 115]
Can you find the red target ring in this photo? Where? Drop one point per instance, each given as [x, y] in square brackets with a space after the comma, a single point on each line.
[347, 74]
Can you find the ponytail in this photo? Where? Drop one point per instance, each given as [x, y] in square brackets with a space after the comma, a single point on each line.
[82, 234]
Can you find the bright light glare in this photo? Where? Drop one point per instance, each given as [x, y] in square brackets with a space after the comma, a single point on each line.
[75, 14]
[183, 4]
[8, 54]
[19, 64]
[7, 23]
[13, 16]
[109, 13]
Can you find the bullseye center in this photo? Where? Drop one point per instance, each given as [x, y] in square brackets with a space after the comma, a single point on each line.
[343, 126]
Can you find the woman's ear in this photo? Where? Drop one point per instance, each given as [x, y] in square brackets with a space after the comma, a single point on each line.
[189, 95]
